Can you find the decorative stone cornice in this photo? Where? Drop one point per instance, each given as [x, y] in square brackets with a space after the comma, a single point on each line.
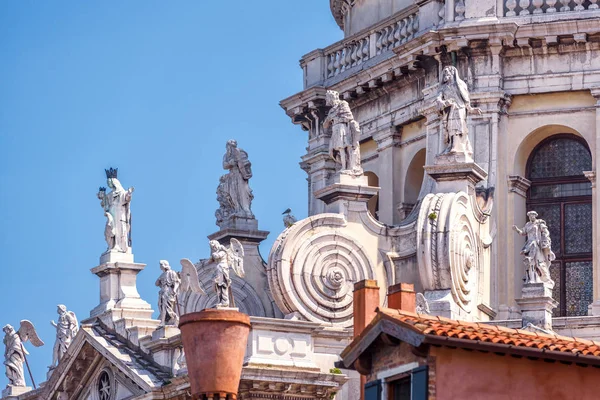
[339, 8]
[519, 185]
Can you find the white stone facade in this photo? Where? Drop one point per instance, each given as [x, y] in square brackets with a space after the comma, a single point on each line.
[532, 67]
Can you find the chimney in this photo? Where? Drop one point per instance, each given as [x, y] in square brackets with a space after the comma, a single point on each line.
[366, 300]
[401, 296]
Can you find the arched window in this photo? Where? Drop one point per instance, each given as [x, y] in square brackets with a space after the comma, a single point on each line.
[373, 204]
[562, 196]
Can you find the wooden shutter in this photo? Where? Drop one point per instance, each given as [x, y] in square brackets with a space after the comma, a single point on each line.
[419, 383]
[373, 390]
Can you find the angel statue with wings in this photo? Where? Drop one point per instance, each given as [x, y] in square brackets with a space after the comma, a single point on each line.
[453, 102]
[225, 258]
[15, 353]
[66, 329]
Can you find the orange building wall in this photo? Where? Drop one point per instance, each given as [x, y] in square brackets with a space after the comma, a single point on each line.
[461, 374]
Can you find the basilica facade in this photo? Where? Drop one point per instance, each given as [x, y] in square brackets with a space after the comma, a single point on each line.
[451, 145]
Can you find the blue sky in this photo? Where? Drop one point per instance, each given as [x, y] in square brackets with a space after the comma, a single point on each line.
[154, 88]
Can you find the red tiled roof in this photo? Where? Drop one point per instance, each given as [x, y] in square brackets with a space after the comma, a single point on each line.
[418, 329]
[484, 333]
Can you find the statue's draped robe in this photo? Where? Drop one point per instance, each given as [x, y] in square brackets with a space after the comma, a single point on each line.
[341, 135]
[118, 207]
[66, 329]
[236, 182]
[222, 280]
[534, 254]
[14, 357]
[167, 297]
[455, 120]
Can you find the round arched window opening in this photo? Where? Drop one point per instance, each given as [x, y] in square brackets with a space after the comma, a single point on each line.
[562, 196]
[105, 386]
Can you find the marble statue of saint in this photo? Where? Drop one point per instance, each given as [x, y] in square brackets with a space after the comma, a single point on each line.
[344, 146]
[226, 258]
[537, 252]
[454, 104]
[15, 353]
[116, 206]
[66, 329]
[168, 282]
[234, 193]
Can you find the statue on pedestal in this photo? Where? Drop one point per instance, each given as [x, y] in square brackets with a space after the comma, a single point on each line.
[344, 146]
[116, 206]
[225, 258]
[66, 329]
[168, 282]
[234, 193]
[14, 352]
[453, 102]
[537, 252]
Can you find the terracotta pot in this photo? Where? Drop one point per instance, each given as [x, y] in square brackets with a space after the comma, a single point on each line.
[215, 344]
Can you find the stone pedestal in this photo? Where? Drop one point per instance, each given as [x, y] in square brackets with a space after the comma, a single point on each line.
[537, 305]
[441, 303]
[346, 188]
[118, 290]
[165, 332]
[11, 392]
[455, 176]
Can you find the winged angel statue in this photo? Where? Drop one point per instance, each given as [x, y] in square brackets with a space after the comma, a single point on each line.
[15, 353]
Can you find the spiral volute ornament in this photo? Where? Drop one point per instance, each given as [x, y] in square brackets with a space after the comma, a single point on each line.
[449, 247]
[312, 269]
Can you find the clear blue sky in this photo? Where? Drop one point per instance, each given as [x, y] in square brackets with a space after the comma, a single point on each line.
[154, 88]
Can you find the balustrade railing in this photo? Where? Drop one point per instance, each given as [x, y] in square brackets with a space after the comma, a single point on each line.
[348, 54]
[514, 8]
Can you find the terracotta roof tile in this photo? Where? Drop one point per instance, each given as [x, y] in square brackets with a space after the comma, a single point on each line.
[480, 332]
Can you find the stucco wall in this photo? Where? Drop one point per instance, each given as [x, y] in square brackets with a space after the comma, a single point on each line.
[462, 374]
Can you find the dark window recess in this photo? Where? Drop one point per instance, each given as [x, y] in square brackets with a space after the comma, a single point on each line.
[373, 390]
[562, 196]
[401, 389]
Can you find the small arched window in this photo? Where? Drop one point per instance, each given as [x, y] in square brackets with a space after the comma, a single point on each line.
[562, 196]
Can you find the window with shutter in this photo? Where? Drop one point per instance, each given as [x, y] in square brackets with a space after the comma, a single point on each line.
[419, 383]
[373, 390]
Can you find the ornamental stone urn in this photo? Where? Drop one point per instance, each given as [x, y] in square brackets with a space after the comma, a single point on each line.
[214, 341]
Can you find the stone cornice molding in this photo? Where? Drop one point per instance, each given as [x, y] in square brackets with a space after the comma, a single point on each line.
[518, 185]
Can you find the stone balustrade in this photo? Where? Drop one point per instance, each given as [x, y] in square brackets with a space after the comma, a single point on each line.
[514, 8]
[348, 54]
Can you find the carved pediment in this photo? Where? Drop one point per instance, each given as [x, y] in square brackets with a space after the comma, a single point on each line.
[98, 366]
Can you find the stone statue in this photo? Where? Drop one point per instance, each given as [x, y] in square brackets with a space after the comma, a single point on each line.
[116, 206]
[344, 146]
[168, 282]
[288, 218]
[234, 193]
[454, 104]
[537, 252]
[15, 353]
[225, 258]
[66, 329]
[226, 205]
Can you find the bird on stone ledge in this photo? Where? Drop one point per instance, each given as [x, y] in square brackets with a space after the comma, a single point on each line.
[288, 219]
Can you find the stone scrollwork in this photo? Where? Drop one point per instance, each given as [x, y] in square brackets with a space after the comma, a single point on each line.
[452, 253]
[312, 269]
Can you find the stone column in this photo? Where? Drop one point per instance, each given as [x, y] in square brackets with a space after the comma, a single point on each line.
[595, 306]
[389, 176]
